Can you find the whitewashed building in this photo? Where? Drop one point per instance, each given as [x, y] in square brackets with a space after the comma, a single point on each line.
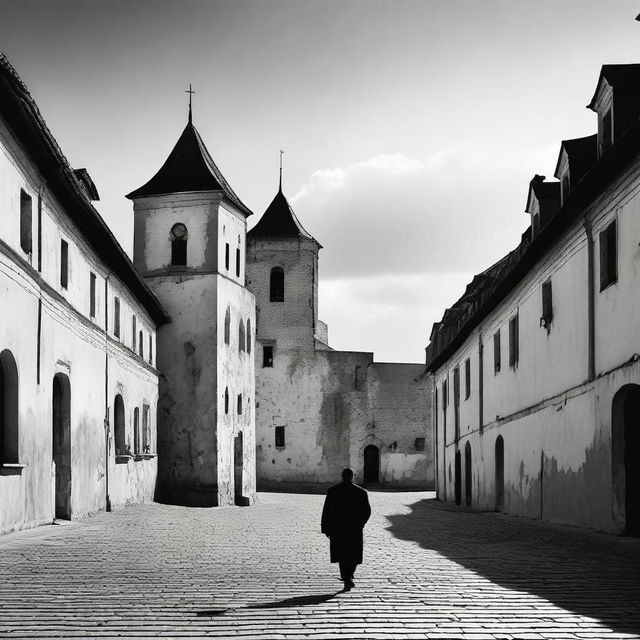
[317, 409]
[536, 368]
[78, 377]
[190, 247]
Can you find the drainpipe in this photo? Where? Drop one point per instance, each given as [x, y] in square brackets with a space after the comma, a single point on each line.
[106, 393]
[591, 371]
[434, 433]
[480, 384]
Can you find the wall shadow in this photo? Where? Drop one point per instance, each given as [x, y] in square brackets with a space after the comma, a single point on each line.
[587, 573]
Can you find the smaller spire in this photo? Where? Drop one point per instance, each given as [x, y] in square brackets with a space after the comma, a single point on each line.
[281, 154]
[190, 92]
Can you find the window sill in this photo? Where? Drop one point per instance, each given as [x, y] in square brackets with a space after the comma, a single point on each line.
[11, 469]
[145, 456]
[123, 458]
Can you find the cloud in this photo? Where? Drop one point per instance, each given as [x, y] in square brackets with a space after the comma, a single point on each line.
[455, 211]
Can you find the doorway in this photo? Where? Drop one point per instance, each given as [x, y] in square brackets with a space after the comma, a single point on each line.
[61, 427]
[499, 479]
[467, 474]
[371, 463]
[458, 479]
[238, 468]
[626, 456]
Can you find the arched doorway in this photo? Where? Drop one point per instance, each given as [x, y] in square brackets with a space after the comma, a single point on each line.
[467, 474]
[61, 432]
[238, 468]
[625, 442]
[457, 481]
[8, 408]
[119, 426]
[371, 463]
[499, 479]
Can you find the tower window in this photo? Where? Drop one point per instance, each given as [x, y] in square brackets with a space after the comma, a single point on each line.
[608, 256]
[280, 438]
[64, 264]
[276, 291]
[267, 355]
[227, 326]
[116, 317]
[25, 222]
[179, 245]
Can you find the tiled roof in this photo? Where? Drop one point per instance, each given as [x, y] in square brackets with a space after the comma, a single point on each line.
[279, 221]
[189, 167]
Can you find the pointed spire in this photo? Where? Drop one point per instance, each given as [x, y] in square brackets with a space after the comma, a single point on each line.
[281, 154]
[190, 92]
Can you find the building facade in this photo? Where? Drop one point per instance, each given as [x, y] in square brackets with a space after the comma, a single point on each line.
[317, 409]
[536, 368]
[78, 377]
[190, 247]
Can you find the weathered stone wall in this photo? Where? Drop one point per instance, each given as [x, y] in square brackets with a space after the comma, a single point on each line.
[81, 350]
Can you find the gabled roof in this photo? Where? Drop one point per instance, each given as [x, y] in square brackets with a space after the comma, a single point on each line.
[623, 76]
[189, 167]
[279, 221]
[543, 191]
[25, 120]
[582, 154]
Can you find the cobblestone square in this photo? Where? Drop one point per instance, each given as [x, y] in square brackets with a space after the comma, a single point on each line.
[430, 571]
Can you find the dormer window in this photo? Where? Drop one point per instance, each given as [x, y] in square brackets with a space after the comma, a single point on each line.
[607, 131]
[565, 187]
[179, 245]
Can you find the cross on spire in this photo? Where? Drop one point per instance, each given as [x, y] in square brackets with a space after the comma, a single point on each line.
[190, 91]
[281, 154]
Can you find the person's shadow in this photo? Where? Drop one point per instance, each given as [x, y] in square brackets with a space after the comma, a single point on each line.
[299, 601]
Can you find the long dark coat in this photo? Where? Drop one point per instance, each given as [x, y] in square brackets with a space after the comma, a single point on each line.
[346, 510]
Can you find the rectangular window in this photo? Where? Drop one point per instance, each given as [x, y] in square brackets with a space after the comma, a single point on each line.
[64, 264]
[238, 262]
[445, 398]
[267, 355]
[150, 349]
[25, 222]
[547, 305]
[141, 345]
[419, 444]
[565, 188]
[535, 225]
[116, 317]
[607, 131]
[92, 295]
[226, 256]
[456, 402]
[608, 256]
[146, 440]
[239, 404]
[134, 331]
[496, 351]
[280, 437]
[514, 342]
[467, 378]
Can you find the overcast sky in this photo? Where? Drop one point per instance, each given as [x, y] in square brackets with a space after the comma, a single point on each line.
[411, 129]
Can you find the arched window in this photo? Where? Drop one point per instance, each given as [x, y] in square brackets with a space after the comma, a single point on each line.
[226, 400]
[241, 341]
[8, 408]
[277, 285]
[227, 326]
[119, 429]
[136, 431]
[179, 244]
[248, 336]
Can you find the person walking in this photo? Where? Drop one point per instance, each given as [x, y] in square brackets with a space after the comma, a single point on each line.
[345, 512]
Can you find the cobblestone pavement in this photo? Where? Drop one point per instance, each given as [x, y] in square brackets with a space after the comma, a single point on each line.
[431, 571]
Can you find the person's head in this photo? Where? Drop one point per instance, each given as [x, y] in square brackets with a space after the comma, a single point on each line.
[347, 474]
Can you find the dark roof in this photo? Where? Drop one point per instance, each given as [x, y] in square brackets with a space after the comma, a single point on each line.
[89, 186]
[582, 154]
[510, 271]
[189, 167]
[279, 221]
[24, 118]
[619, 76]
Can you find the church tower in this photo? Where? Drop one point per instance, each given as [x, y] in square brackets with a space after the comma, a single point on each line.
[189, 245]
